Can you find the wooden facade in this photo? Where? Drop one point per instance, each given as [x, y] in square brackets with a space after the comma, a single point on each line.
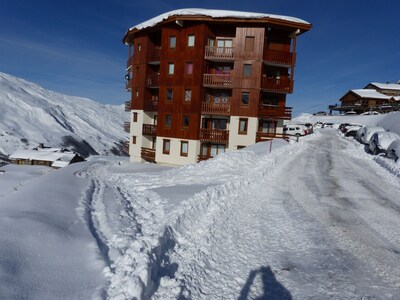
[188, 68]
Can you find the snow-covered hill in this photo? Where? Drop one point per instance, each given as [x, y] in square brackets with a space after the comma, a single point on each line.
[30, 115]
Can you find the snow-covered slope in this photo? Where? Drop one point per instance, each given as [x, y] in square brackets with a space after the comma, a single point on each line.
[30, 115]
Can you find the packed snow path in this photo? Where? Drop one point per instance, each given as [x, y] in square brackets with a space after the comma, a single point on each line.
[318, 220]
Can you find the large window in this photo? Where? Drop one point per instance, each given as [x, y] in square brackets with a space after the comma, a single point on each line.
[170, 94]
[245, 98]
[168, 121]
[184, 148]
[133, 139]
[166, 146]
[189, 68]
[171, 69]
[172, 42]
[191, 40]
[268, 126]
[246, 70]
[243, 126]
[188, 95]
[185, 121]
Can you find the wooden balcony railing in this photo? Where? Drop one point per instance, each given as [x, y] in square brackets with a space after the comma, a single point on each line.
[153, 80]
[212, 108]
[148, 154]
[127, 105]
[276, 112]
[214, 135]
[219, 53]
[279, 85]
[127, 127]
[149, 129]
[264, 136]
[217, 80]
[151, 105]
[277, 57]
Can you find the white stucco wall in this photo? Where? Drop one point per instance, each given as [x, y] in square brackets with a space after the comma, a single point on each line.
[136, 130]
[236, 139]
[174, 157]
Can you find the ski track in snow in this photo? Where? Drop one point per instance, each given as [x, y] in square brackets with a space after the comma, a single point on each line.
[306, 222]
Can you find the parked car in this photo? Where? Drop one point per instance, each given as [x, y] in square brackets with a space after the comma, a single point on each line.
[350, 113]
[368, 132]
[360, 133]
[295, 130]
[393, 151]
[368, 113]
[318, 125]
[352, 131]
[381, 140]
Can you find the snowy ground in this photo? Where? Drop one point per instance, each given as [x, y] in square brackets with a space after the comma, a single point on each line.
[316, 219]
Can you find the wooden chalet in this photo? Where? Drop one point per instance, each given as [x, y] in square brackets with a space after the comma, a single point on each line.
[380, 97]
[205, 81]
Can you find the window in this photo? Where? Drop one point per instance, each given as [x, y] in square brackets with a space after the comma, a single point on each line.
[242, 126]
[189, 68]
[135, 117]
[188, 95]
[191, 40]
[224, 43]
[245, 98]
[172, 42]
[246, 70]
[267, 126]
[185, 121]
[167, 120]
[133, 139]
[170, 94]
[184, 148]
[137, 94]
[139, 47]
[249, 43]
[166, 146]
[171, 69]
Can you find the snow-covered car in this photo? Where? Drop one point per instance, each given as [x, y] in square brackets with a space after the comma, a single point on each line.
[360, 133]
[381, 140]
[368, 132]
[368, 113]
[318, 125]
[350, 113]
[295, 130]
[351, 130]
[393, 151]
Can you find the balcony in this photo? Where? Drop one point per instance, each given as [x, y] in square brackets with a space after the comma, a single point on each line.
[278, 58]
[153, 80]
[127, 105]
[212, 108]
[149, 129]
[151, 105]
[214, 135]
[127, 127]
[222, 81]
[148, 154]
[275, 112]
[282, 84]
[265, 136]
[219, 53]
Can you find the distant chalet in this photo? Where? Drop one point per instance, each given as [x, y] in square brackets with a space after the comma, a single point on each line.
[45, 156]
[380, 97]
[206, 81]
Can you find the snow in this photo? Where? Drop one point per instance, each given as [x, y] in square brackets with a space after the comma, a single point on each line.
[317, 219]
[366, 93]
[31, 115]
[214, 13]
[387, 86]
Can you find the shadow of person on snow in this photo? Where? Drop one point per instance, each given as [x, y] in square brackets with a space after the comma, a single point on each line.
[272, 289]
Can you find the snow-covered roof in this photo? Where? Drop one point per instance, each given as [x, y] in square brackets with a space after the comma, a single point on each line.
[386, 86]
[214, 13]
[369, 93]
[45, 154]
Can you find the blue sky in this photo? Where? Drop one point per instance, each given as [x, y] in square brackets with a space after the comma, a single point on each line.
[75, 47]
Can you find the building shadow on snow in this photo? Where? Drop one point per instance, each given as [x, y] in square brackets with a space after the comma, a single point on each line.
[272, 289]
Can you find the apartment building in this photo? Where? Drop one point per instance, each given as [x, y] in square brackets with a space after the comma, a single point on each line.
[204, 82]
